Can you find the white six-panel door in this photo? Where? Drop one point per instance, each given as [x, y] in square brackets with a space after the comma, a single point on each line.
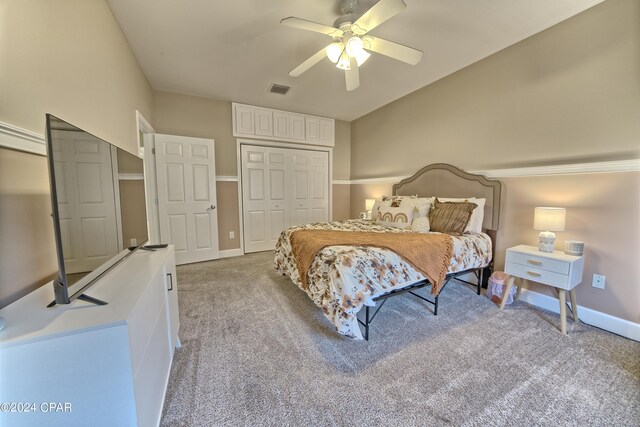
[280, 188]
[187, 208]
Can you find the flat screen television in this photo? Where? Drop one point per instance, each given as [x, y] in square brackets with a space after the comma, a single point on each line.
[98, 207]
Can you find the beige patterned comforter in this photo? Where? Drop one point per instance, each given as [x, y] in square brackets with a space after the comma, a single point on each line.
[342, 279]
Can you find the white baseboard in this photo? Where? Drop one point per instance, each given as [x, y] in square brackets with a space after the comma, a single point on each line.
[230, 253]
[589, 316]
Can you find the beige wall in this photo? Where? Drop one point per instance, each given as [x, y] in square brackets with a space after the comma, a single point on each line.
[568, 94]
[341, 202]
[69, 58]
[132, 203]
[27, 249]
[228, 215]
[342, 151]
[185, 115]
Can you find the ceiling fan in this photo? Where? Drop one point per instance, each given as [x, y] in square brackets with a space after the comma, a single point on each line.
[351, 39]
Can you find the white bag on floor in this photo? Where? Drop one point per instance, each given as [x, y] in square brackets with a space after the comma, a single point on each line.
[496, 286]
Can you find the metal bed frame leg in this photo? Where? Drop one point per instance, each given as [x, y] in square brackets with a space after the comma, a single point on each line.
[366, 325]
[435, 305]
[479, 276]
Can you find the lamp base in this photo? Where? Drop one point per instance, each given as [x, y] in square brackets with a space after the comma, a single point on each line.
[546, 241]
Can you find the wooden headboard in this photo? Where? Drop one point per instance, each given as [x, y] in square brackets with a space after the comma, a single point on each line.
[443, 180]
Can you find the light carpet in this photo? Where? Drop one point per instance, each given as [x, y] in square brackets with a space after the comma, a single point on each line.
[257, 352]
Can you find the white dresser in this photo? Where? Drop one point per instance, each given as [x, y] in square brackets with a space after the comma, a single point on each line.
[82, 364]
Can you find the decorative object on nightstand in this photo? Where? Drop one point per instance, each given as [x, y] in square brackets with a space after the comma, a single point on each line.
[573, 247]
[368, 205]
[548, 220]
[556, 269]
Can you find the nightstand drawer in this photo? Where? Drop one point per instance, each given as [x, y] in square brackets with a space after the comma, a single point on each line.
[538, 275]
[538, 262]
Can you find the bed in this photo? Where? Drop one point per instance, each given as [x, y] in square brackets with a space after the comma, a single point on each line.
[343, 279]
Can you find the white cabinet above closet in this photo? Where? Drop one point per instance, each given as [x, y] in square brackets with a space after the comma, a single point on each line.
[266, 123]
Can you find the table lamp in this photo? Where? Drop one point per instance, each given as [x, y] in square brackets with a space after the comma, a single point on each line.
[548, 220]
[368, 205]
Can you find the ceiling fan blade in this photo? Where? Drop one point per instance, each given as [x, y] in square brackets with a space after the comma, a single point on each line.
[352, 76]
[379, 13]
[394, 50]
[308, 63]
[303, 24]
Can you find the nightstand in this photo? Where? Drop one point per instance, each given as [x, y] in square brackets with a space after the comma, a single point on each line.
[557, 269]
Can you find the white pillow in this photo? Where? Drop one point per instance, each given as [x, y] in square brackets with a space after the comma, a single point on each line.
[395, 217]
[421, 224]
[422, 204]
[477, 216]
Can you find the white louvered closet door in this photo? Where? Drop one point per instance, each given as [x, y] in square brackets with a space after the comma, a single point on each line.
[280, 188]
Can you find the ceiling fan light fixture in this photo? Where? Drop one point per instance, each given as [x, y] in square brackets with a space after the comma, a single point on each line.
[354, 46]
[344, 63]
[334, 50]
[362, 56]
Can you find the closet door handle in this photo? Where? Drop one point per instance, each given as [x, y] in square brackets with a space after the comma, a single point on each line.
[210, 208]
[170, 281]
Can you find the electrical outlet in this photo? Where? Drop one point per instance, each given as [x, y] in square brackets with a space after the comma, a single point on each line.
[598, 281]
[232, 234]
[134, 242]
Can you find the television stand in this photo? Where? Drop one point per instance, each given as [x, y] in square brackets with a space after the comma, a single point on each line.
[83, 297]
[117, 357]
[92, 300]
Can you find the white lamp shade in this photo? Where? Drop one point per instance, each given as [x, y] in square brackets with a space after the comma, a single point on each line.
[549, 219]
[354, 46]
[368, 204]
[344, 63]
[333, 51]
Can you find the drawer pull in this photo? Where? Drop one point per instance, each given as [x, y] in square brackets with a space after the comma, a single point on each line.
[170, 281]
[533, 273]
[534, 262]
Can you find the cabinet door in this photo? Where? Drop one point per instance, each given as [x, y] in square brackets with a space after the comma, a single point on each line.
[327, 131]
[280, 124]
[299, 161]
[171, 295]
[263, 122]
[244, 119]
[296, 126]
[318, 186]
[312, 128]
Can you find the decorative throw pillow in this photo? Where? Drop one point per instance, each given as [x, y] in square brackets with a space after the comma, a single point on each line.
[394, 201]
[422, 204]
[450, 217]
[475, 223]
[395, 217]
[420, 224]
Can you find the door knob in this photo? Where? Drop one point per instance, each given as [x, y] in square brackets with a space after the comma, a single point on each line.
[212, 207]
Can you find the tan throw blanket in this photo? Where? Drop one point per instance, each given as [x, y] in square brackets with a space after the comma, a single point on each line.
[428, 253]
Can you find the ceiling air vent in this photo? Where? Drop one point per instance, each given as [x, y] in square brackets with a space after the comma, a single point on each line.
[279, 89]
